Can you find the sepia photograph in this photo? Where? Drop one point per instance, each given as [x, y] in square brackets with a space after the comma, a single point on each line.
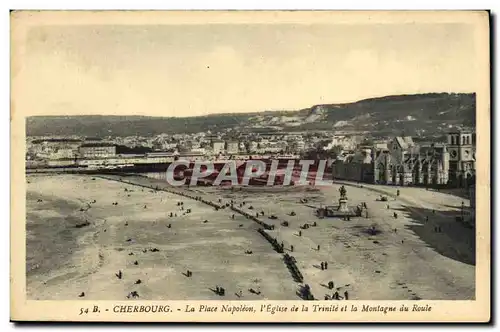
[243, 164]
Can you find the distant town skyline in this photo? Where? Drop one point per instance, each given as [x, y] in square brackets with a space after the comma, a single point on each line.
[195, 70]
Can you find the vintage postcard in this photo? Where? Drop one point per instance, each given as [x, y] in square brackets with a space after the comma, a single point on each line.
[267, 166]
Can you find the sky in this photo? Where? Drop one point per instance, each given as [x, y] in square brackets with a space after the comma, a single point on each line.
[192, 70]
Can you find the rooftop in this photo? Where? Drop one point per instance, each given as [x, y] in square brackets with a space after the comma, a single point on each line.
[57, 140]
[405, 142]
[94, 145]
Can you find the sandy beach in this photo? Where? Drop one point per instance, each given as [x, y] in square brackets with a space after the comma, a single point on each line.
[78, 240]
[86, 259]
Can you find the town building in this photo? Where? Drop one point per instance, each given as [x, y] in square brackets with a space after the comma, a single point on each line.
[53, 148]
[217, 146]
[232, 147]
[252, 146]
[97, 150]
[63, 153]
[356, 166]
[297, 146]
[198, 150]
[346, 142]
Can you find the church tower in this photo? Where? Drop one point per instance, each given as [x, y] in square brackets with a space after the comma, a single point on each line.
[461, 156]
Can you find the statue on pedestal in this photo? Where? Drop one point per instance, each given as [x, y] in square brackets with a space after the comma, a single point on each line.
[343, 200]
[343, 192]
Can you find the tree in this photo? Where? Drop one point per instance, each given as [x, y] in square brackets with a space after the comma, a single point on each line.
[335, 151]
[182, 148]
[367, 141]
[316, 153]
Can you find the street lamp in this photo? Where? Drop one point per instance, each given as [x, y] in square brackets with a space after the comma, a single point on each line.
[462, 211]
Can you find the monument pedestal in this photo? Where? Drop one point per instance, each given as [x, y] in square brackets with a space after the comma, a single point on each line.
[343, 205]
[340, 211]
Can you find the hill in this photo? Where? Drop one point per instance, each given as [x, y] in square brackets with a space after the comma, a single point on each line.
[430, 113]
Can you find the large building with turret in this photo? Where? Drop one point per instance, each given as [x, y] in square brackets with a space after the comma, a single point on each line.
[403, 162]
[407, 163]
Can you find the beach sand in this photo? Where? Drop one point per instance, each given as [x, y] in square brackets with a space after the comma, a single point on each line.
[73, 260]
[413, 262]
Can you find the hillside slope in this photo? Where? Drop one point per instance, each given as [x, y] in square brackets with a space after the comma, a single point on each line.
[386, 115]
